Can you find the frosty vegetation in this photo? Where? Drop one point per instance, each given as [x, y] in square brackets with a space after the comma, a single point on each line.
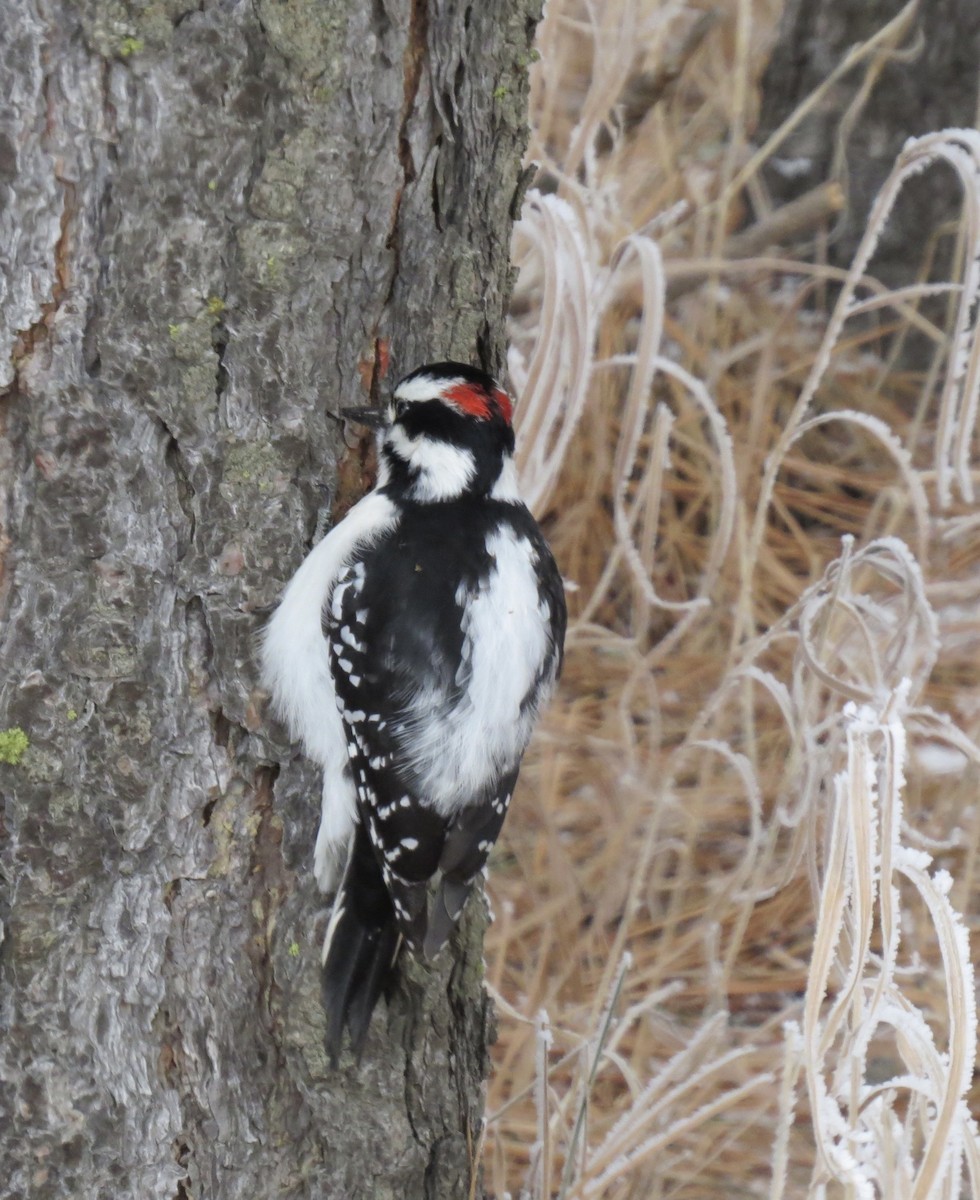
[729, 953]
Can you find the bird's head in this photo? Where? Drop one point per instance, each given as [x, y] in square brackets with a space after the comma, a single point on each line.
[446, 433]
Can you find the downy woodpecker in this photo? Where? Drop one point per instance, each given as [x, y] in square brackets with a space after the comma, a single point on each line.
[411, 653]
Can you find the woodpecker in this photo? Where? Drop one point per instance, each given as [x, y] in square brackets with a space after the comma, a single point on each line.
[411, 654]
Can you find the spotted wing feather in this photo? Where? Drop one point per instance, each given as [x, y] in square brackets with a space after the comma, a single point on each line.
[396, 617]
[373, 667]
[469, 840]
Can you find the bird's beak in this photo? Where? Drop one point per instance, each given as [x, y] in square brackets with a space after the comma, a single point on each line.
[373, 418]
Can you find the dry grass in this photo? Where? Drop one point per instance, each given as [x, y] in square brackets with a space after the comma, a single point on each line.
[730, 949]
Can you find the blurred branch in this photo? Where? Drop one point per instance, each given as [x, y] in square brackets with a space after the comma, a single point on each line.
[794, 220]
[645, 89]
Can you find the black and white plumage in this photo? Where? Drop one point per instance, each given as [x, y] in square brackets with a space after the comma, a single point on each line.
[411, 653]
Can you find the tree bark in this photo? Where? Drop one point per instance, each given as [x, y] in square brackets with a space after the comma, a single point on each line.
[925, 80]
[217, 220]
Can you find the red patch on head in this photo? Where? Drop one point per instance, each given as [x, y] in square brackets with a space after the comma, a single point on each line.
[506, 408]
[474, 401]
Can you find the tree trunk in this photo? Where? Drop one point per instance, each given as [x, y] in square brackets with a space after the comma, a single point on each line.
[215, 220]
[925, 78]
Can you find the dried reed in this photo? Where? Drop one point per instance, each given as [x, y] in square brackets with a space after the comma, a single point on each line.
[730, 954]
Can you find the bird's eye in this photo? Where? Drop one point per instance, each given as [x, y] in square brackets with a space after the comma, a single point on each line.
[401, 408]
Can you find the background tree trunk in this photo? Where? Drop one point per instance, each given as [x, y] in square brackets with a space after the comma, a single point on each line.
[214, 220]
[924, 80]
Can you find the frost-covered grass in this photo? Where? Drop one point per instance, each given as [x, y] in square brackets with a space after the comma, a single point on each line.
[731, 950]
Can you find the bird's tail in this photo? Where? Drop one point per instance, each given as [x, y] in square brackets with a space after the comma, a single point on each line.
[359, 948]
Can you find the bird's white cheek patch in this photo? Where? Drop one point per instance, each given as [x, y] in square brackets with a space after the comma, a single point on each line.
[442, 471]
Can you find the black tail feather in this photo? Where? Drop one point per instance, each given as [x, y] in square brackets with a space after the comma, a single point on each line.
[378, 972]
[359, 949]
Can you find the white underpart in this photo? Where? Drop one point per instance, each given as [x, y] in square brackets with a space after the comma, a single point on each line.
[442, 471]
[296, 671]
[456, 749]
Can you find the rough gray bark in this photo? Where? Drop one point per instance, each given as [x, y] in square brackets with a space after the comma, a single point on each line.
[934, 87]
[214, 219]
